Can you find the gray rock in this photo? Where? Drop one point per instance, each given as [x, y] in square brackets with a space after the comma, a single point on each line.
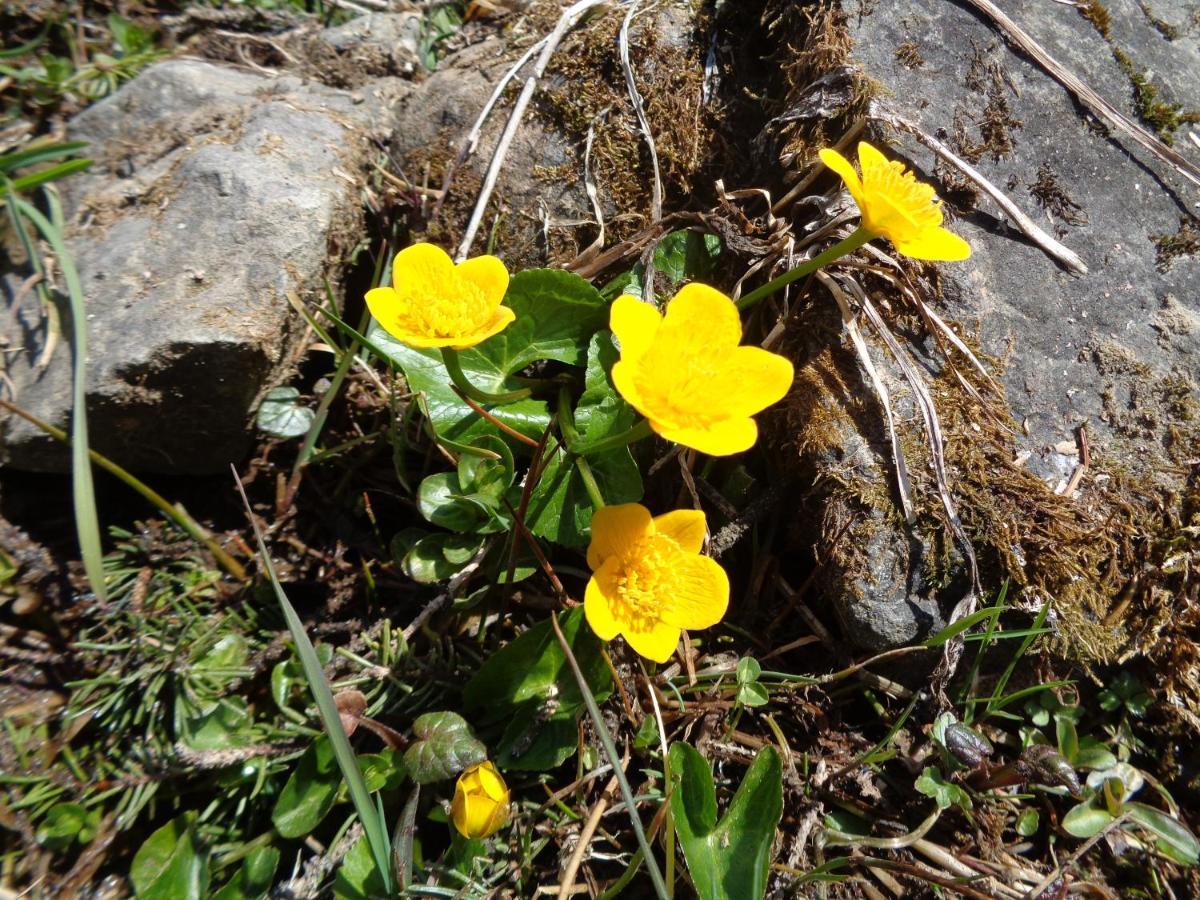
[215, 194]
[1058, 333]
[371, 46]
[1117, 348]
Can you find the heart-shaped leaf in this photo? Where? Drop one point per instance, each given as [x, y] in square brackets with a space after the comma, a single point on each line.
[444, 746]
[729, 859]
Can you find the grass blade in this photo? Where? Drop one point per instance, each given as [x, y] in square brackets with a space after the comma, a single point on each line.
[87, 520]
[62, 170]
[33, 155]
[368, 813]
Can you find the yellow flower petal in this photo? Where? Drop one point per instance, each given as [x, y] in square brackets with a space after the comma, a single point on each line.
[687, 527]
[757, 378]
[722, 438]
[501, 319]
[844, 168]
[870, 157]
[423, 268]
[936, 245]
[700, 596]
[615, 528]
[491, 783]
[598, 602]
[657, 642]
[481, 801]
[634, 323]
[384, 304]
[488, 274]
[700, 316]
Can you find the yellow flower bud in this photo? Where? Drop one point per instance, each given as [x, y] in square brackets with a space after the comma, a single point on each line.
[480, 806]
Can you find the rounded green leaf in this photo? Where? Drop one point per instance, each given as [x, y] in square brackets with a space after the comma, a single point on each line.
[172, 864]
[1086, 820]
[282, 415]
[444, 746]
[309, 792]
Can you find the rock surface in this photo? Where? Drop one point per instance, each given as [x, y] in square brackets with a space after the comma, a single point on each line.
[1103, 196]
[1118, 348]
[215, 193]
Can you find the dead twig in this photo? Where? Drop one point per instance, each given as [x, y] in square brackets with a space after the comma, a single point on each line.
[1019, 38]
[570, 16]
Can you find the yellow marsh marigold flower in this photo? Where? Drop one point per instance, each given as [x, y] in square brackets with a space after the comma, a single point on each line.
[896, 206]
[480, 805]
[649, 580]
[434, 303]
[687, 375]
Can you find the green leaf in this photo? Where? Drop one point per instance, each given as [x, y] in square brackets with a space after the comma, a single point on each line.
[255, 877]
[1027, 823]
[559, 506]
[1094, 755]
[212, 724]
[1173, 838]
[686, 256]
[529, 686]
[382, 771]
[533, 743]
[729, 859]
[960, 625]
[532, 667]
[309, 793]
[444, 746]
[748, 670]
[38, 152]
[66, 823]
[283, 415]
[557, 313]
[1086, 820]
[753, 694]
[1068, 739]
[680, 256]
[172, 864]
[944, 793]
[288, 674]
[439, 557]
[357, 877]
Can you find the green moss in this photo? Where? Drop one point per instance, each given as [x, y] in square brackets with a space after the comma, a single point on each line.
[1097, 13]
[909, 55]
[1184, 242]
[1164, 117]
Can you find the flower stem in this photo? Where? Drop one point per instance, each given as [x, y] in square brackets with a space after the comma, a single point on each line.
[459, 378]
[614, 442]
[575, 444]
[610, 750]
[837, 251]
[589, 482]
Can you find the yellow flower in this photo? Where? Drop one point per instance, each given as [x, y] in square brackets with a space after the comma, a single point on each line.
[896, 206]
[480, 805]
[434, 303]
[687, 375]
[649, 580]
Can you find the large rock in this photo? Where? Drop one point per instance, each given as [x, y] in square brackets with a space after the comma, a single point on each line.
[215, 193]
[1095, 348]
[1116, 349]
